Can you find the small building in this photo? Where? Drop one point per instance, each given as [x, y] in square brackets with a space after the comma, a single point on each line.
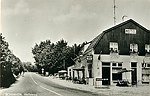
[125, 46]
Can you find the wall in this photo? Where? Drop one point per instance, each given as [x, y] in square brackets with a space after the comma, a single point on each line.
[126, 63]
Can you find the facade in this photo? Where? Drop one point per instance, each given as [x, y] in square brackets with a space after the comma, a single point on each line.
[119, 53]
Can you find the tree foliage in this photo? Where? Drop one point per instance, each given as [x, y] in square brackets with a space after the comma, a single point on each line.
[29, 67]
[54, 57]
[8, 64]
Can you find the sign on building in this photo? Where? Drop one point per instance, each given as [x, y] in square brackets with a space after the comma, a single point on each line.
[130, 31]
[89, 58]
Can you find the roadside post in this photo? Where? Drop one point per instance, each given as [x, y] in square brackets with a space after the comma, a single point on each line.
[42, 70]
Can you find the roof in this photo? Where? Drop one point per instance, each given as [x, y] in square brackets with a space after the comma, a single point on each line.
[95, 41]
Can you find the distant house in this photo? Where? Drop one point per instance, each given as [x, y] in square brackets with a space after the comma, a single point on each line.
[125, 46]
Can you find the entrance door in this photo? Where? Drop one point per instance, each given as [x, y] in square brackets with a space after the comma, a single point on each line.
[134, 76]
[105, 73]
[134, 73]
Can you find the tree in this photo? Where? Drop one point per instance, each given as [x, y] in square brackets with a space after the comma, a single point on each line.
[29, 67]
[54, 57]
[6, 75]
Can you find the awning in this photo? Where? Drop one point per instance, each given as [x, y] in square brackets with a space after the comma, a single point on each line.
[125, 70]
[62, 71]
[78, 68]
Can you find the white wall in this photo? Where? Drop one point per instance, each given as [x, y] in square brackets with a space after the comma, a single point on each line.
[126, 63]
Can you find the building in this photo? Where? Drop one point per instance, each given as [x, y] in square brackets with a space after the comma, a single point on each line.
[118, 53]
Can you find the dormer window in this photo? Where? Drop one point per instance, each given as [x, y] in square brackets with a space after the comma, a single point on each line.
[147, 48]
[113, 47]
[134, 48]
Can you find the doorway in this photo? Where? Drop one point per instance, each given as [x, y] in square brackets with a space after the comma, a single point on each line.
[134, 73]
[105, 73]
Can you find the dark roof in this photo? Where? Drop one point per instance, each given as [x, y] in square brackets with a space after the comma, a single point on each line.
[130, 20]
[94, 42]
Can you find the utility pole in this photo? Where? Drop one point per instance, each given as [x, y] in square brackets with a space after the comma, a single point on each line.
[74, 50]
[114, 7]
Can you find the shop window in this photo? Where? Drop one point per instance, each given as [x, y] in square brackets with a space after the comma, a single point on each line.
[116, 76]
[113, 47]
[147, 47]
[133, 48]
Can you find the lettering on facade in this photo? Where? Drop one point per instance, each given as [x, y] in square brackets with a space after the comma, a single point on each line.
[98, 79]
[130, 31]
[101, 79]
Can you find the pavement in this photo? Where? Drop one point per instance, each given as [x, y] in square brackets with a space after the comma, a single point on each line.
[32, 84]
[139, 90]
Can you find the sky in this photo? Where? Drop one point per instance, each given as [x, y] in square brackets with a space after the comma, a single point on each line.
[27, 22]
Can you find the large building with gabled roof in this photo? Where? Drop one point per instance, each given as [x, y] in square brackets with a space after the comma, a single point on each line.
[118, 53]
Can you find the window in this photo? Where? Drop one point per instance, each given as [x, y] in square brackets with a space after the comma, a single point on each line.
[143, 65]
[147, 47]
[148, 65]
[133, 47]
[106, 64]
[114, 64]
[133, 64]
[113, 46]
[119, 64]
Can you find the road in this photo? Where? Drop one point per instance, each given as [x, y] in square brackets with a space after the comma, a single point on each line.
[32, 84]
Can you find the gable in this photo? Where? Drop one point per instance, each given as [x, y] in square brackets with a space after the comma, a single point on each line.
[124, 33]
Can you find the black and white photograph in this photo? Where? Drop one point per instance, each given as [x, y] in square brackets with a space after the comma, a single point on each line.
[75, 48]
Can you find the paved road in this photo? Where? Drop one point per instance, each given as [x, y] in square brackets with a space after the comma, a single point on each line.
[33, 84]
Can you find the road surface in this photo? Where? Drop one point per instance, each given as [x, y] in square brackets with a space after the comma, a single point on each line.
[32, 84]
